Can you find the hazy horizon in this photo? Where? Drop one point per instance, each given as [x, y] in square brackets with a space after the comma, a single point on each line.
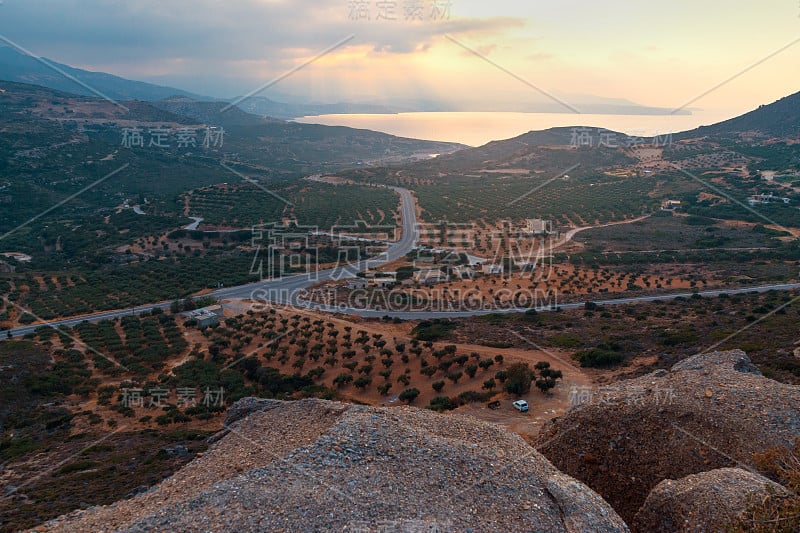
[479, 128]
[469, 54]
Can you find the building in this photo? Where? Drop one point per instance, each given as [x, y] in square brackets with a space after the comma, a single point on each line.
[463, 272]
[207, 316]
[356, 283]
[493, 268]
[451, 258]
[670, 205]
[538, 226]
[528, 266]
[425, 255]
[766, 199]
[430, 276]
[383, 282]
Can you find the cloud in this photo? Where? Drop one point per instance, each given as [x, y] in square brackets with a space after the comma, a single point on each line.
[247, 39]
[484, 50]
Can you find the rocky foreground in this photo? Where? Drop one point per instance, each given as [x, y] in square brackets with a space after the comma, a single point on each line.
[709, 412]
[670, 451]
[314, 465]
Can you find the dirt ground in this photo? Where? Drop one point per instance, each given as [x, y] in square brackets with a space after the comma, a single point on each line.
[550, 283]
[542, 407]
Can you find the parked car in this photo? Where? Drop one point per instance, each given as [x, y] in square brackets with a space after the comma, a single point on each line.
[521, 406]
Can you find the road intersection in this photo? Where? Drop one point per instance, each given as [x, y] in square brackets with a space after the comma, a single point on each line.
[288, 290]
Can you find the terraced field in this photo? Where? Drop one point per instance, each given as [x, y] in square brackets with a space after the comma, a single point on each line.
[310, 203]
[584, 200]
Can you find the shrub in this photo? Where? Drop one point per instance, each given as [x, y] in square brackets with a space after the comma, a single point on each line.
[409, 395]
[598, 358]
[433, 330]
[470, 396]
[362, 382]
[485, 363]
[455, 376]
[428, 371]
[545, 384]
[518, 380]
[342, 379]
[441, 403]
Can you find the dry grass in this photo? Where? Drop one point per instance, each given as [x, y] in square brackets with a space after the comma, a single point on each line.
[777, 512]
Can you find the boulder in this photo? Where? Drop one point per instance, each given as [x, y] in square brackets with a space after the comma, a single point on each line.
[702, 503]
[709, 411]
[314, 465]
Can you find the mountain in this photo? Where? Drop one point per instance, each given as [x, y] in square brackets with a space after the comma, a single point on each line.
[51, 136]
[23, 68]
[216, 113]
[549, 149]
[260, 105]
[778, 119]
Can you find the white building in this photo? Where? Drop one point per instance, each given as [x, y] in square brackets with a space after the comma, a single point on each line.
[538, 226]
[207, 316]
[383, 282]
[493, 268]
[356, 283]
[765, 199]
[430, 276]
[463, 272]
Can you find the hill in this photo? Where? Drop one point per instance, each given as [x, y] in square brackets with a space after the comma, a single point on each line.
[52, 136]
[23, 68]
[778, 119]
[259, 105]
[217, 113]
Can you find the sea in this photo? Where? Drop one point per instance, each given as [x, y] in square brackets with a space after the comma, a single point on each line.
[479, 128]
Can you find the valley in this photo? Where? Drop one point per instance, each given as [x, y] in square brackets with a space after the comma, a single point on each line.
[172, 281]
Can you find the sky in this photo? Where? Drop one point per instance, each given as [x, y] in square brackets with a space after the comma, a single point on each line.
[707, 54]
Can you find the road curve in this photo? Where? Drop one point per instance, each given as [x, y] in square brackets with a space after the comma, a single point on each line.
[287, 290]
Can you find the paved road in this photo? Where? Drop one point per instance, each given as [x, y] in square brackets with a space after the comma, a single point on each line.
[287, 290]
[420, 315]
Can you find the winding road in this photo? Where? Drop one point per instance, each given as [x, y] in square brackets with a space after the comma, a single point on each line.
[288, 290]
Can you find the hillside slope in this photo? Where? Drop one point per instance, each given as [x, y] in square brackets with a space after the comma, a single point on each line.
[778, 119]
[22, 68]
